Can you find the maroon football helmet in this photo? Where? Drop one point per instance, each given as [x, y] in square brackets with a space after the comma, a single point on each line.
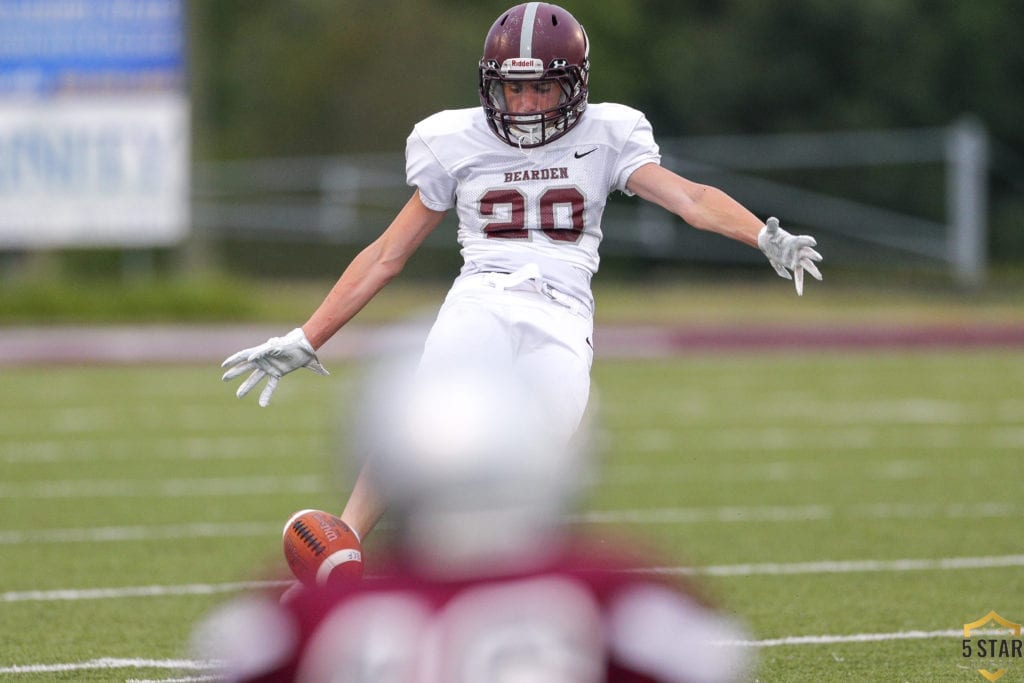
[535, 41]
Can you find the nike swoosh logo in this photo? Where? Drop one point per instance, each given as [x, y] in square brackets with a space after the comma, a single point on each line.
[580, 156]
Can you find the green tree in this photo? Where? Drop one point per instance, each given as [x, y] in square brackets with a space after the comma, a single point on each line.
[325, 77]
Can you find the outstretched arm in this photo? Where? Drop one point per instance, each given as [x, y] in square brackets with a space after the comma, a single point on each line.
[371, 269]
[708, 208]
[702, 206]
[366, 275]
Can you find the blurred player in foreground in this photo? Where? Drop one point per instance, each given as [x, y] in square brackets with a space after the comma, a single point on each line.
[487, 585]
[528, 172]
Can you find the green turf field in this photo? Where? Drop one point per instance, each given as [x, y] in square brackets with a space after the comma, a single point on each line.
[855, 510]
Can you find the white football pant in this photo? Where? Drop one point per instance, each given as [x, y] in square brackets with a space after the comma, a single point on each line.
[548, 344]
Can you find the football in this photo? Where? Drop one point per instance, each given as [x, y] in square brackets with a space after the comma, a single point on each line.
[321, 549]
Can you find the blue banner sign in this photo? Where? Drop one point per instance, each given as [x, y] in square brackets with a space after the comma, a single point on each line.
[57, 47]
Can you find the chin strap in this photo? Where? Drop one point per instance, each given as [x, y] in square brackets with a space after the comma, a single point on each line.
[525, 152]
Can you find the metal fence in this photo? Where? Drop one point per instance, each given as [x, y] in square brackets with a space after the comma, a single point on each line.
[350, 199]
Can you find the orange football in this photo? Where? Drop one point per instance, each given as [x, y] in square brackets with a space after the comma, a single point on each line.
[320, 548]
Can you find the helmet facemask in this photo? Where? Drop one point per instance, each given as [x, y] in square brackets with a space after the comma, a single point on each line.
[531, 128]
[530, 43]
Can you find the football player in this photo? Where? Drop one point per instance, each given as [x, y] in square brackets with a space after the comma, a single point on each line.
[528, 173]
[486, 582]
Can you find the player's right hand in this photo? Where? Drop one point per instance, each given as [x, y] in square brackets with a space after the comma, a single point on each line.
[272, 359]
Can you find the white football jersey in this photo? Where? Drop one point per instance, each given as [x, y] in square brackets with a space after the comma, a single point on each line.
[541, 205]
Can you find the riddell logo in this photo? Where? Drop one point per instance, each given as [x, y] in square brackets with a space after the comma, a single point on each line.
[522, 65]
[1003, 649]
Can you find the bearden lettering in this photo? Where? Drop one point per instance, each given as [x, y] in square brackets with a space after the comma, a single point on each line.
[556, 173]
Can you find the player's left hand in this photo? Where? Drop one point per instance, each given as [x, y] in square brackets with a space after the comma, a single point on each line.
[273, 359]
[788, 252]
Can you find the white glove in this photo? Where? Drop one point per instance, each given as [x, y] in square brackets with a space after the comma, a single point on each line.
[274, 358]
[792, 252]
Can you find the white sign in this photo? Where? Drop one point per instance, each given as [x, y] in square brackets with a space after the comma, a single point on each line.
[94, 171]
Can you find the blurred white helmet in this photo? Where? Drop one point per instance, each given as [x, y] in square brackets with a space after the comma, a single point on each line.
[468, 463]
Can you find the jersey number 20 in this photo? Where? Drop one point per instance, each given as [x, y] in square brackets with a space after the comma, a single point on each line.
[515, 227]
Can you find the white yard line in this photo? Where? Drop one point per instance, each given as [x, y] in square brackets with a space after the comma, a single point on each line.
[70, 595]
[113, 534]
[859, 437]
[622, 475]
[109, 663]
[178, 447]
[195, 665]
[856, 638]
[185, 679]
[764, 569]
[694, 515]
[799, 513]
[846, 566]
[698, 515]
[45, 449]
[105, 419]
[167, 488]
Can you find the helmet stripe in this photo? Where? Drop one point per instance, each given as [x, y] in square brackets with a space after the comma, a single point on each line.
[526, 32]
